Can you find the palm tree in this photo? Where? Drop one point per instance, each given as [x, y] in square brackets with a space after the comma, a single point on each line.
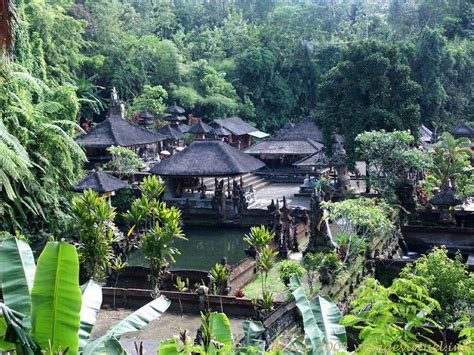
[450, 160]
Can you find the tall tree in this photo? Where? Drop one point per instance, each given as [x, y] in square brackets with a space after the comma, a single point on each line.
[369, 89]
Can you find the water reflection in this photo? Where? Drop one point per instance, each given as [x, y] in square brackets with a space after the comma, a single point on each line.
[204, 248]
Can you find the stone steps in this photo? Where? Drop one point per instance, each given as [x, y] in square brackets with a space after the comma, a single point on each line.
[257, 182]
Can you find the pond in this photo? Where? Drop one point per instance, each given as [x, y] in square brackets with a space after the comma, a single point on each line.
[204, 248]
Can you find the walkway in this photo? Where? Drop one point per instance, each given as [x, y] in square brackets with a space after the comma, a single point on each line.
[265, 195]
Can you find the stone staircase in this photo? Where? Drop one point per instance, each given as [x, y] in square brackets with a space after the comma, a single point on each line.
[257, 182]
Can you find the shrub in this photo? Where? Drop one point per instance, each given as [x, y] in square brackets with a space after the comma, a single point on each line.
[290, 268]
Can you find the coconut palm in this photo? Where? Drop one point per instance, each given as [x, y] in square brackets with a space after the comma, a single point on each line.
[451, 160]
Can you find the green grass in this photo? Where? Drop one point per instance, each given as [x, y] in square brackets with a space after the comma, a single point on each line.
[274, 284]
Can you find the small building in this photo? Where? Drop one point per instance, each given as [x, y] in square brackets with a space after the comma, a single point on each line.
[289, 145]
[464, 130]
[175, 114]
[100, 182]
[242, 133]
[426, 135]
[184, 172]
[200, 129]
[146, 119]
[116, 130]
[174, 136]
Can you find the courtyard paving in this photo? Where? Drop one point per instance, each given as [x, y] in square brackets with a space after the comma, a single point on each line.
[271, 192]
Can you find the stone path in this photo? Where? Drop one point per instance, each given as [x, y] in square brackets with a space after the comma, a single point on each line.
[264, 196]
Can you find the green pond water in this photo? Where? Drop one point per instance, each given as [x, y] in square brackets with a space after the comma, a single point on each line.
[204, 248]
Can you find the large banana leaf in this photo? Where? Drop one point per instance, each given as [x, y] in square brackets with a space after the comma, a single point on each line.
[17, 272]
[253, 330]
[91, 302]
[168, 347]
[56, 298]
[135, 321]
[220, 332]
[320, 320]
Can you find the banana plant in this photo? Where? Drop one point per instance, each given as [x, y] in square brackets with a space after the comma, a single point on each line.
[323, 333]
[57, 314]
[216, 338]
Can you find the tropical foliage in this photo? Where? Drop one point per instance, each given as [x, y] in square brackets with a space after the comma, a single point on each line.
[392, 160]
[449, 283]
[94, 218]
[58, 314]
[357, 222]
[156, 226]
[451, 167]
[395, 317]
[125, 162]
[322, 332]
[40, 160]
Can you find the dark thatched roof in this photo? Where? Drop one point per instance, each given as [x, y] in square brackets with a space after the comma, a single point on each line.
[100, 182]
[306, 129]
[146, 115]
[184, 127]
[174, 118]
[285, 147]
[200, 128]
[446, 197]
[221, 132]
[235, 125]
[172, 132]
[320, 159]
[463, 130]
[174, 109]
[119, 132]
[208, 158]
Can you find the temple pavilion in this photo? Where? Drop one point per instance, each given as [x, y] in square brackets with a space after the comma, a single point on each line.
[200, 129]
[100, 182]
[116, 130]
[291, 144]
[236, 132]
[175, 114]
[185, 173]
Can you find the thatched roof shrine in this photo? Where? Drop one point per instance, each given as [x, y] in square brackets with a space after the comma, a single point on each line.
[119, 132]
[221, 132]
[172, 132]
[116, 130]
[200, 128]
[463, 130]
[175, 118]
[174, 109]
[184, 127]
[446, 197]
[208, 158]
[100, 182]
